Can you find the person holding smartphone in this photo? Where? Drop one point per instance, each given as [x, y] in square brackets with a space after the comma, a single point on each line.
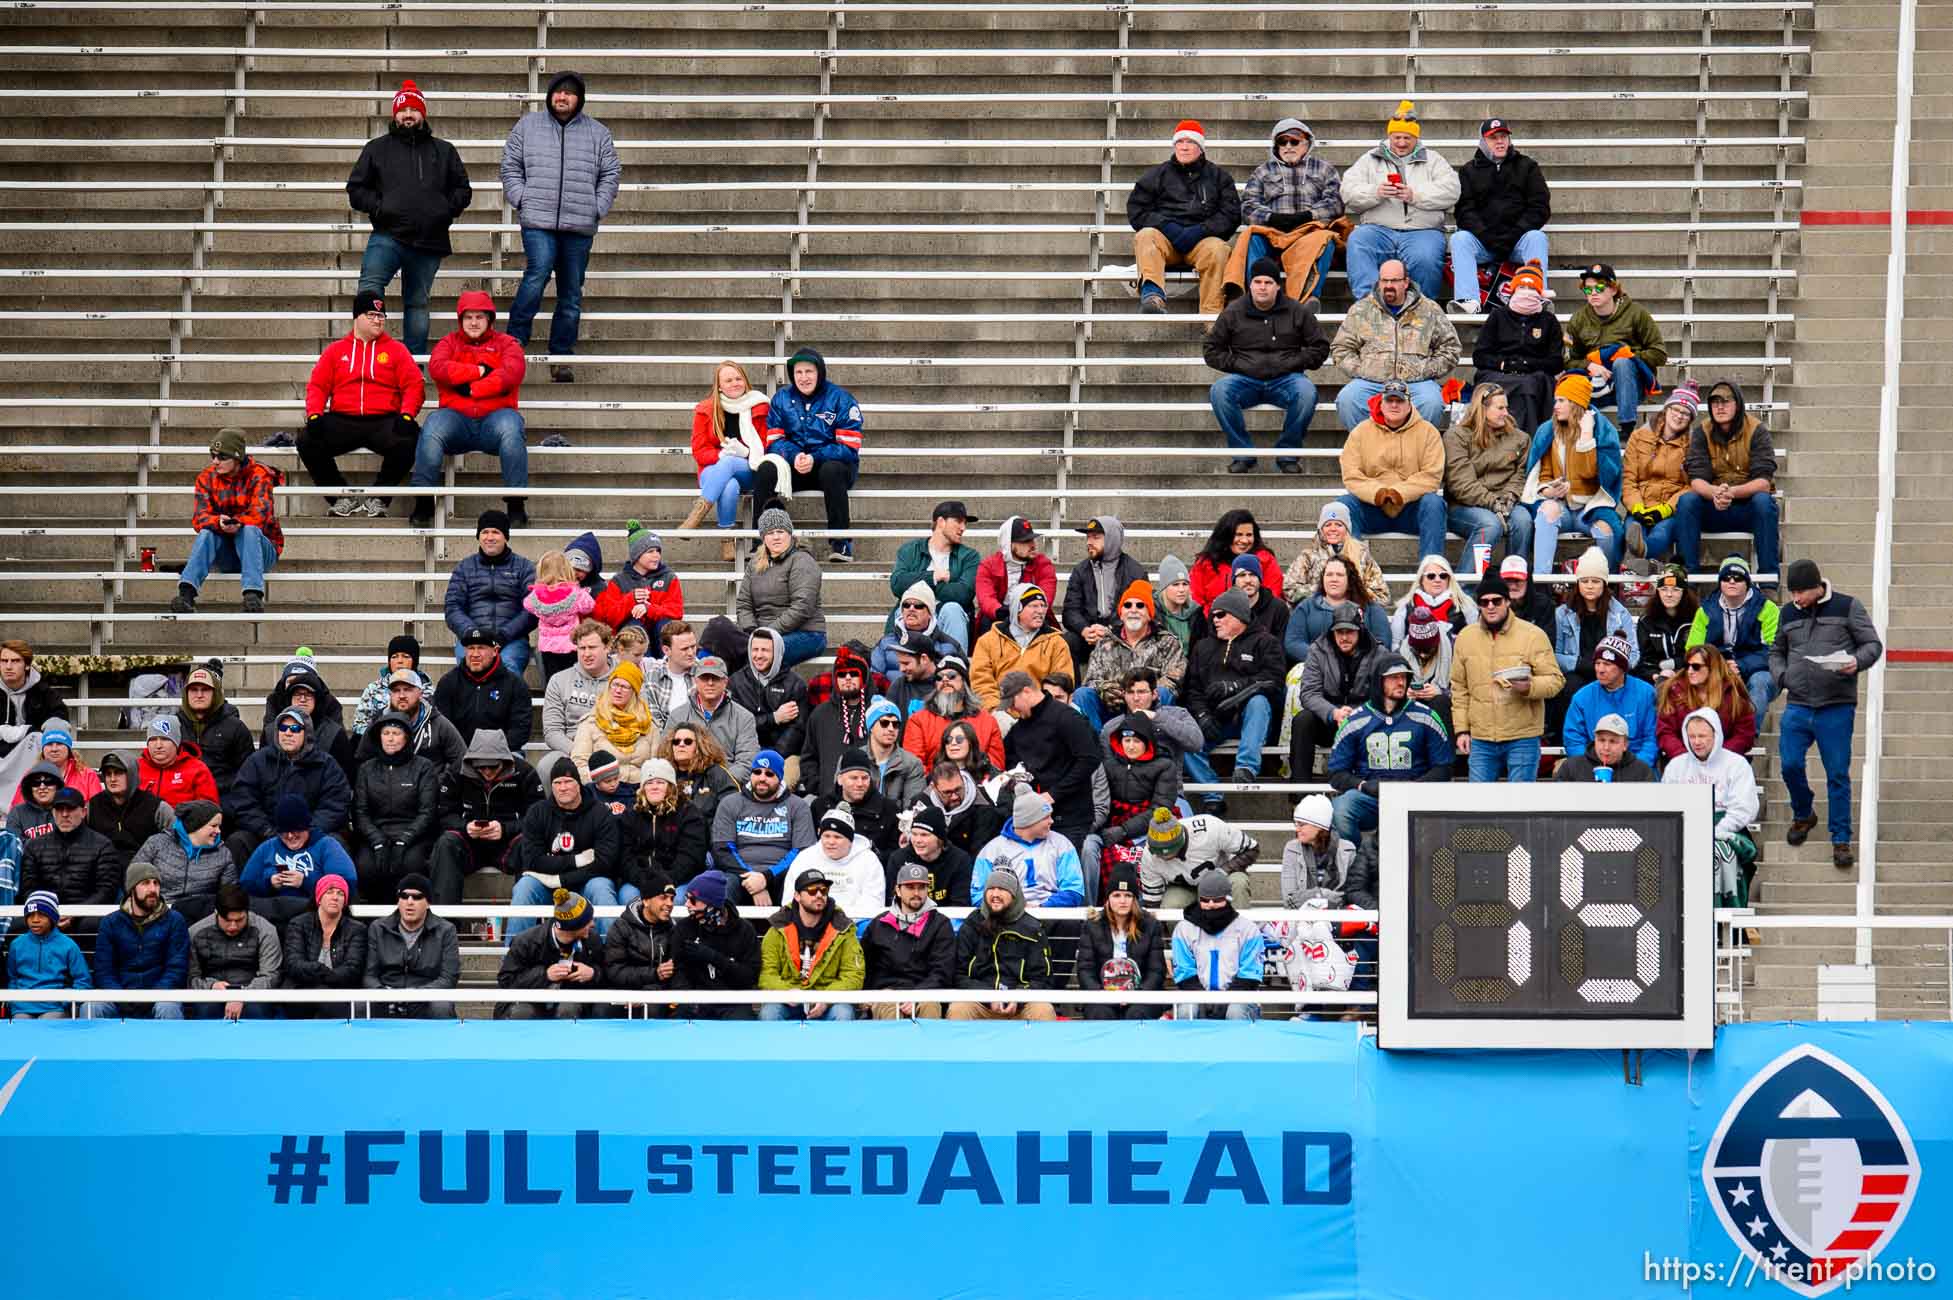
[236, 522]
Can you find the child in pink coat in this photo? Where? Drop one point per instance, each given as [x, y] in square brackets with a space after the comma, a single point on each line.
[559, 604]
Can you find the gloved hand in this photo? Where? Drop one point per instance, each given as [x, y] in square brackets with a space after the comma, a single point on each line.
[1649, 515]
[1114, 835]
[165, 815]
[1390, 501]
[701, 951]
[1186, 238]
[467, 389]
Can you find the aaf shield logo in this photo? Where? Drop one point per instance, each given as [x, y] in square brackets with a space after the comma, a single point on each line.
[1811, 1170]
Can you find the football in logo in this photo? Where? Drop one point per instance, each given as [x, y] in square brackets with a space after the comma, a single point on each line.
[1811, 1170]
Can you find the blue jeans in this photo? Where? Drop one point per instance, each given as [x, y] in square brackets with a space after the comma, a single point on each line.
[1763, 689]
[215, 1011]
[1230, 395]
[1086, 700]
[1421, 252]
[247, 552]
[1200, 772]
[1467, 252]
[515, 656]
[1663, 537]
[1696, 515]
[137, 1011]
[567, 256]
[386, 255]
[1601, 523]
[1424, 516]
[1259, 247]
[1481, 527]
[1252, 732]
[1830, 727]
[601, 891]
[1627, 393]
[722, 483]
[794, 1011]
[1355, 812]
[447, 432]
[1509, 760]
[1353, 402]
[799, 647]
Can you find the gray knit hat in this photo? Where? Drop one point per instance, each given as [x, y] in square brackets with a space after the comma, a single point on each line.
[1234, 601]
[774, 517]
[638, 539]
[1172, 569]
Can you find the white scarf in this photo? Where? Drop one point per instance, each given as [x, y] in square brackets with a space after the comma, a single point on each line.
[749, 442]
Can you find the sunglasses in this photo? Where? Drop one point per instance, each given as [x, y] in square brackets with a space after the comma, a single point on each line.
[411, 896]
[886, 722]
[814, 889]
[1133, 604]
[1288, 142]
[1591, 289]
[950, 676]
[913, 604]
[1697, 664]
[682, 742]
[1487, 601]
[290, 729]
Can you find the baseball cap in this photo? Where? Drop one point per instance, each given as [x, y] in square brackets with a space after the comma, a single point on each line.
[811, 876]
[953, 510]
[1600, 271]
[478, 636]
[68, 797]
[915, 643]
[405, 677]
[709, 666]
[1613, 722]
[1396, 388]
[1515, 566]
[1491, 125]
[912, 873]
[1021, 530]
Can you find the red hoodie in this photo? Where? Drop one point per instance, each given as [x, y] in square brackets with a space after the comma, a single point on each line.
[185, 779]
[458, 361]
[354, 378]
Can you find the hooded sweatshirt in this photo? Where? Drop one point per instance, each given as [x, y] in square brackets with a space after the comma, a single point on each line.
[570, 697]
[1008, 646]
[1004, 949]
[271, 774]
[1048, 869]
[860, 885]
[999, 572]
[826, 425]
[457, 363]
[763, 694]
[1095, 584]
[221, 738]
[1283, 197]
[1729, 774]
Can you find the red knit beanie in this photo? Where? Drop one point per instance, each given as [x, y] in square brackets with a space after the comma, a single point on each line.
[409, 96]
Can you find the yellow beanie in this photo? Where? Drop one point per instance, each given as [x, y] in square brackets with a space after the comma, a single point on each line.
[1577, 389]
[1405, 121]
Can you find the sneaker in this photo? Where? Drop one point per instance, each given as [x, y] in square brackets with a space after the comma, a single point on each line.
[1465, 306]
[1289, 465]
[345, 508]
[555, 440]
[1637, 539]
[842, 553]
[1241, 465]
[1153, 303]
[253, 602]
[184, 602]
[1244, 776]
[374, 508]
[1842, 857]
[562, 375]
[1800, 830]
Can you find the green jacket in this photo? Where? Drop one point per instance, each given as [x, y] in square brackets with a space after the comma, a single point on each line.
[1630, 324]
[838, 960]
[912, 565]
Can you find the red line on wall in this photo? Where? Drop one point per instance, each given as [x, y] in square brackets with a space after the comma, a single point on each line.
[1920, 656]
[1876, 217]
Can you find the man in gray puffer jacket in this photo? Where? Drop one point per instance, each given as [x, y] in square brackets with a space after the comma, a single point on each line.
[560, 174]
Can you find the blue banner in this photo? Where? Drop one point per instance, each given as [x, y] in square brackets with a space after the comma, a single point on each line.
[913, 1160]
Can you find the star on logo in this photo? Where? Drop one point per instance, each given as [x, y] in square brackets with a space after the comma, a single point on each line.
[1756, 1227]
[1779, 1252]
[1740, 1194]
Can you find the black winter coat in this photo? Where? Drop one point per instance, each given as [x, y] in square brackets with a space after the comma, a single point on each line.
[412, 185]
[1661, 638]
[1004, 955]
[874, 817]
[433, 963]
[224, 743]
[1284, 340]
[974, 825]
[832, 728]
[674, 843]
[127, 824]
[1061, 752]
[395, 800]
[949, 874]
[1500, 201]
[80, 867]
[1082, 592]
[304, 970]
[1200, 195]
[500, 700]
[465, 798]
[435, 739]
[635, 949]
[271, 773]
[1147, 950]
[1150, 782]
[589, 826]
[1513, 344]
[328, 721]
[727, 958]
[761, 699]
[526, 964]
[910, 957]
[1223, 675]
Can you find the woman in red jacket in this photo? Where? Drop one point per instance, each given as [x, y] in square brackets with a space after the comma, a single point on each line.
[478, 373]
[1706, 681]
[1236, 533]
[728, 438]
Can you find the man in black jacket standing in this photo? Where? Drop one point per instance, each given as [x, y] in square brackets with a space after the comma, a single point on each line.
[413, 186]
[1262, 343]
[1055, 744]
[1182, 213]
[1503, 206]
[1825, 639]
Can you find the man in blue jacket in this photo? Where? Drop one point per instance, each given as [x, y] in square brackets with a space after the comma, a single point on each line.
[282, 874]
[1613, 690]
[560, 174]
[45, 958]
[145, 945]
[486, 590]
[1392, 738]
[814, 432]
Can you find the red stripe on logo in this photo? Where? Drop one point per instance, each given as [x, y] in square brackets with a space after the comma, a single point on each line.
[1875, 1212]
[1885, 1184]
[1857, 1239]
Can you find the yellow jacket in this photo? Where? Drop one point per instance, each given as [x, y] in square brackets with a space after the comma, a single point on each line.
[997, 652]
[1410, 459]
[1485, 710]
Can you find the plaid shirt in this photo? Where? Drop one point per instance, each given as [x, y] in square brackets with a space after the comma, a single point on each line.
[245, 496]
[1275, 189]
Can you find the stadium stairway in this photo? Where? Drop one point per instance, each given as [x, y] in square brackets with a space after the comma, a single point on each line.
[947, 252]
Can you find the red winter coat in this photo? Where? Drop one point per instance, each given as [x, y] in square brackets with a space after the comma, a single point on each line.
[185, 779]
[664, 598]
[705, 443]
[992, 589]
[354, 378]
[457, 361]
[923, 736]
[1208, 580]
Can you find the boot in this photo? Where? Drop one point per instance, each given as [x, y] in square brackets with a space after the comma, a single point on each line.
[700, 512]
[728, 550]
[518, 512]
[185, 600]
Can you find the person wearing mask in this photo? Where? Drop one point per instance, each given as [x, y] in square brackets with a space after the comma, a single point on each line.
[325, 948]
[1393, 470]
[1706, 681]
[1663, 628]
[1519, 347]
[1399, 192]
[560, 175]
[477, 372]
[483, 801]
[1614, 690]
[1233, 683]
[143, 944]
[1263, 343]
[1426, 649]
[1333, 541]
[412, 185]
[1094, 586]
[211, 723]
[1216, 949]
[234, 948]
[126, 815]
[1485, 475]
[1016, 559]
[236, 522]
[1002, 947]
[1607, 758]
[814, 441]
[782, 590]
[364, 393]
[1573, 476]
[411, 948]
[1824, 641]
[403, 651]
[755, 830]
[565, 954]
[1503, 671]
[1333, 681]
[715, 949]
[710, 705]
[396, 808]
[569, 841]
[728, 442]
[1654, 475]
[1616, 342]
[910, 945]
[640, 952]
[1705, 761]
[1731, 466]
[1123, 949]
[1503, 208]
[487, 589]
[281, 874]
[192, 859]
[1390, 738]
[1023, 642]
[1291, 208]
[1182, 212]
[572, 693]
